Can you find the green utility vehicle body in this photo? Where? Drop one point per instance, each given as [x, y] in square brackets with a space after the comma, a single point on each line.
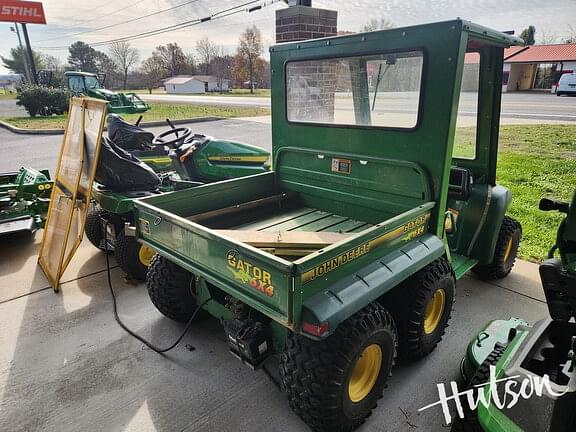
[84, 83]
[348, 170]
[24, 200]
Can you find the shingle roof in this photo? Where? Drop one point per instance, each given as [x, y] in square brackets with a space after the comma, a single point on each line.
[544, 54]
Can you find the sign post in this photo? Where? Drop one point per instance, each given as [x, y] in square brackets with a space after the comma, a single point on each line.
[18, 11]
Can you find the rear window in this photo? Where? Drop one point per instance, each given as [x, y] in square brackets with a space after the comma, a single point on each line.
[380, 90]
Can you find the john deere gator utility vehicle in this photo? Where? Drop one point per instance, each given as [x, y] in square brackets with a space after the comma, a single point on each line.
[24, 200]
[89, 84]
[522, 353]
[134, 163]
[349, 250]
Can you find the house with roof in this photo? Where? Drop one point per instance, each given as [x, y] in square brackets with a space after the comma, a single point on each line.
[537, 66]
[533, 67]
[195, 84]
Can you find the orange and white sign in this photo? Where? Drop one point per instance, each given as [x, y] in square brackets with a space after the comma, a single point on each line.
[22, 12]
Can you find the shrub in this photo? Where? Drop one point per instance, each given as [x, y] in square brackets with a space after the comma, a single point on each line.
[44, 101]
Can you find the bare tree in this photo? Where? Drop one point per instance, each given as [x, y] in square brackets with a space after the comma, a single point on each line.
[249, 49]
[207, 52]
[222, 67]
[153, 70]
[377, 24]
[571, 39]
[173, 58]
[125, 57]
[547, 37]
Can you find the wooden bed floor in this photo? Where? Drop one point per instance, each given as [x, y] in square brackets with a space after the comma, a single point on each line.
[305, 219]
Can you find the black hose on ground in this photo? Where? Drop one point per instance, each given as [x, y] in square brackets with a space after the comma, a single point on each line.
[119, 321]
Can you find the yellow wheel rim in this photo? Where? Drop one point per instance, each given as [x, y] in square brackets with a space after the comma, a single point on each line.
[365, 373]
[508, 250]
[434, 311]
[145, 255]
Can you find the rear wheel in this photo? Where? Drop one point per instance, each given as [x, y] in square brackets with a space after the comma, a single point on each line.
[505, 253]
[93, 228]
[132, 257]
[171, 289]
[422, 307]
[334, 384]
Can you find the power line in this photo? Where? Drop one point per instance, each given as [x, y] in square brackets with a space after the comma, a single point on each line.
[107, 14]
[123, 22]
[185, 24]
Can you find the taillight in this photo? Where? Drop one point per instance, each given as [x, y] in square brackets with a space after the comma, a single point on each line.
[316, 329]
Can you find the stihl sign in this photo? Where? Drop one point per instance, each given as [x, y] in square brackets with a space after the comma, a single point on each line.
[22, 12]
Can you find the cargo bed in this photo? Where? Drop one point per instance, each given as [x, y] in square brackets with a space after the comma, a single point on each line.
[187, 227]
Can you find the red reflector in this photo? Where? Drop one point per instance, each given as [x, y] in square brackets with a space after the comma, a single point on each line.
[315, 330]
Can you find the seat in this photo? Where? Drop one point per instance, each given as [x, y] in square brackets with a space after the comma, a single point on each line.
[120, 171]
[128, 136]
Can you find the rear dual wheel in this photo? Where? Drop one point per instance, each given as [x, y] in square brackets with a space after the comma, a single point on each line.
[421, 307]
[334, 384]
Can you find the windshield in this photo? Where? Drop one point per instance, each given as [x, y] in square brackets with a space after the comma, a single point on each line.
[92, 82]
[380, 90]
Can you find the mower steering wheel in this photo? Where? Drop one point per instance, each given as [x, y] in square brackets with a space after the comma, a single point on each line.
[181, 134]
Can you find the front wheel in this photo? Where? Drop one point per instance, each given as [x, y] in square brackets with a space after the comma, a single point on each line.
[505, 253]
[93, 228]
[334, 384]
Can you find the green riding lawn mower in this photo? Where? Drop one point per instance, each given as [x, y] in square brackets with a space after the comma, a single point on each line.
[521, 352]
[89, 84]
[346, 255]
[24, 200]
[135, 164]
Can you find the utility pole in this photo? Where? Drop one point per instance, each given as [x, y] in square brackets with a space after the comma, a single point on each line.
[24, 55]
[34, 77]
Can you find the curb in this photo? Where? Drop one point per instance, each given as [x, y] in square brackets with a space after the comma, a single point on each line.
[23, 131]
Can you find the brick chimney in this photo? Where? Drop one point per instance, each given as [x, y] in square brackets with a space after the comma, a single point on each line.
[301, 21]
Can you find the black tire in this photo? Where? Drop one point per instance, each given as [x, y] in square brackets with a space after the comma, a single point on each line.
[509, 236]
[132, 257]
[315, 375]
[171, 289]
[419, 332]
[470, 421]
[93, 227]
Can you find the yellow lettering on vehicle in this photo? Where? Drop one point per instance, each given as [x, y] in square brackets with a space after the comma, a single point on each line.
[408, 231]
[250, 274]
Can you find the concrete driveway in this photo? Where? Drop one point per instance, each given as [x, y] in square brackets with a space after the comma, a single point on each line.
[65, 365]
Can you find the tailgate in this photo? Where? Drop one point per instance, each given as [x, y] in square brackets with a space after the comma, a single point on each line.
[259, 279]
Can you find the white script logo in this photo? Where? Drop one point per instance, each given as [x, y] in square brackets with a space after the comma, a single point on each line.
[514, 389]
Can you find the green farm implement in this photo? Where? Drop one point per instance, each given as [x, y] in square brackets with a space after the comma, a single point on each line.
[89, 84]
[348, 252]
[126, 171]
[24, 200]
[523, 353]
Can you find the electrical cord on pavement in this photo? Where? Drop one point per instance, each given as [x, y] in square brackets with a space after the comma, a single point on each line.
[119, 321]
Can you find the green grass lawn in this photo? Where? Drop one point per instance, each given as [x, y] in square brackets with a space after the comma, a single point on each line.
[7, 95]
[534, 161]
[157, 112]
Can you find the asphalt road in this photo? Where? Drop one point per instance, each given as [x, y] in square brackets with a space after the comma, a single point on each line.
[41, 151]
[527, 105]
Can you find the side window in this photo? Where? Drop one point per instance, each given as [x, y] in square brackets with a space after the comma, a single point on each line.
[467, 121]
[76, 84]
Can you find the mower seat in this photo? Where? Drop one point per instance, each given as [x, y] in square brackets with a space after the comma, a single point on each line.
[120, 171]
[128, 136]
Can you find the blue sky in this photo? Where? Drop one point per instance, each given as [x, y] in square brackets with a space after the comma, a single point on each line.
[65, 18]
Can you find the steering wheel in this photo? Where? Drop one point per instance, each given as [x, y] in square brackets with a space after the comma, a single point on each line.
[181, 134]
